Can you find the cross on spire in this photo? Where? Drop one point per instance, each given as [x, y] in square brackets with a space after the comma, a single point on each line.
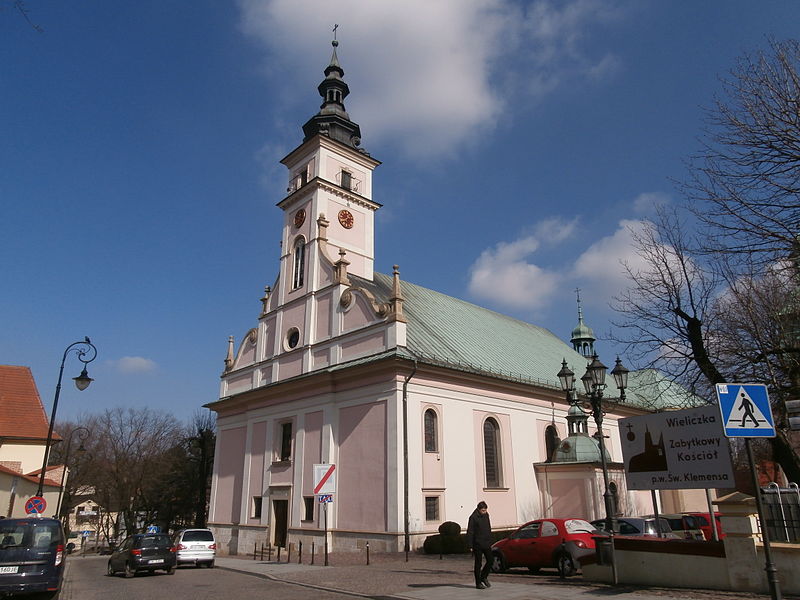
[335, 27]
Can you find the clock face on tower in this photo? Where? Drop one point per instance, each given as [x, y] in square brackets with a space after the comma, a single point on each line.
[299, 218]
[346, 219]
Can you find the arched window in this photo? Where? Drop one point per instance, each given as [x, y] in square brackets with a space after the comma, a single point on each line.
[491, 453]
[299, 263]
[431, 431]
[551, 441]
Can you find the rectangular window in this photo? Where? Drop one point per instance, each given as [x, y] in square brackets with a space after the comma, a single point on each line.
[286, 441]
[431, 508]
[257, 502]
[308, 504]
[347, 180]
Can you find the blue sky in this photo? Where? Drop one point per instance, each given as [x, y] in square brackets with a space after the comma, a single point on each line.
[139, 161]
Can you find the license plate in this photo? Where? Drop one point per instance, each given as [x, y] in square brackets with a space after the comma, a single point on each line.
[13, 569]
[157, 561]
[198, 547]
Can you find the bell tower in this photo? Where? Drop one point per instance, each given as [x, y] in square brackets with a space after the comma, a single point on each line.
[328, 210]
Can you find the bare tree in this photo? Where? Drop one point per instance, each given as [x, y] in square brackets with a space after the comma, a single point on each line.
[724, 305]
[745, 183]
[666, 321]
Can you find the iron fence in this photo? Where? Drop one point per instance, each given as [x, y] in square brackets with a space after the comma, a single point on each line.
[782, 512]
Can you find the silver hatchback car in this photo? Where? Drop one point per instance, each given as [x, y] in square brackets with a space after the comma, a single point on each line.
[195, 546]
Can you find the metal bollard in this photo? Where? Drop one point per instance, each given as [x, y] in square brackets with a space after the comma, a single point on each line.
[262, 551]
[367, 553]
[289, 552]
[300, 553]
[255, 550]
[279, 554]
[312, 552]
[269, 551]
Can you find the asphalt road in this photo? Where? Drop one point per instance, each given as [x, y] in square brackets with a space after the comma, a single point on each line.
[86, 579]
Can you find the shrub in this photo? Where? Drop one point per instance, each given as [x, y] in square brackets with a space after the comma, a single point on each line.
[450, 529]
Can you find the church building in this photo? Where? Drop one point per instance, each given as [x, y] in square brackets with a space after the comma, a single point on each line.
[422, 403]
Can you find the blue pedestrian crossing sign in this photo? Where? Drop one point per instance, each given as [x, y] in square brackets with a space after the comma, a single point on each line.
[745, 410]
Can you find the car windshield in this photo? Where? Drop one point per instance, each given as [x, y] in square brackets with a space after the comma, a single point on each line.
[198, 535]
[155, 541]
[651, 526]
[15, 533]
[578, 526]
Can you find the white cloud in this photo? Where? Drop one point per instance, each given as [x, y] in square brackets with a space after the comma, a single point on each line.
[430, 75]
[134, 364]
[646, 203]
[504, 275]
[600, 267]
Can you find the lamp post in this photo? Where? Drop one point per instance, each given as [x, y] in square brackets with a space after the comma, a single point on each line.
[82, 381]
[83, 434]
[594, 383]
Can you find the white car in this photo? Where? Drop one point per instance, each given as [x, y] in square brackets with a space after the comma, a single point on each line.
[195, 546]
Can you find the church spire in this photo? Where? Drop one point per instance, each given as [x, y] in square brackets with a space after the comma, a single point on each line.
[582, 336]
[332, 119]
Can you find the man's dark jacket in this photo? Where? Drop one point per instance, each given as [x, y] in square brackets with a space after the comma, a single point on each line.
[479, 530]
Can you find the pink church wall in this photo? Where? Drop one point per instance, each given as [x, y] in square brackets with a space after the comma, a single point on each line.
[362, 459]
[432, 462]
[258, 443]
[247, 355]
[269, 345]
[501, 501]
[312, 450]
[228, 501]
[294, 316]
[291, 365]
[359, 314]
[323, 317]
[364, 346]
[320, 359]
[239, 383]
[569, 498]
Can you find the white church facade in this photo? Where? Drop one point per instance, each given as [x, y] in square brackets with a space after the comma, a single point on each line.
[424, 403]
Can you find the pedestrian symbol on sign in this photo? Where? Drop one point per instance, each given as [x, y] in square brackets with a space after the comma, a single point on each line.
[745, 410]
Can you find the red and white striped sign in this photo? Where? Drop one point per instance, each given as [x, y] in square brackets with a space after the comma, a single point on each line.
[325, 479]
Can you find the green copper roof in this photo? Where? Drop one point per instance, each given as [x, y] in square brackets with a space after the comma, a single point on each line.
[453, 333]
[578, 447]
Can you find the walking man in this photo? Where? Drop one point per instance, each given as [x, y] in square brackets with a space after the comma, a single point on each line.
[479, 539]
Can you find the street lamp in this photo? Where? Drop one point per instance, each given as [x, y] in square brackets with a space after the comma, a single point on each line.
[82, 381]
[83, 434]
[594, 382]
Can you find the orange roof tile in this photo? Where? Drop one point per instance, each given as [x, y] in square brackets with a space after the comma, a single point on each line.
[22, 414]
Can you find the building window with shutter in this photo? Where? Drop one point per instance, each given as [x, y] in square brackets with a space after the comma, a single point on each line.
[431, 508]
[491, 453]
[431, 431]
[298, 273]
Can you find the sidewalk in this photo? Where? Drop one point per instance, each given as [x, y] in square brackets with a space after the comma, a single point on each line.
[426, 577]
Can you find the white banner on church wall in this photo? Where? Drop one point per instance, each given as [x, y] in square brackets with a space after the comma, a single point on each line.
[679, 449]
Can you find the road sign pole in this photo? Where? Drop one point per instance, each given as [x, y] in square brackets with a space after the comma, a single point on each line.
[326, 534]
[772, 572]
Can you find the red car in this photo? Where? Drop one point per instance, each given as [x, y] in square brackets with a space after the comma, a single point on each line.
[543, 543]
[705, 524]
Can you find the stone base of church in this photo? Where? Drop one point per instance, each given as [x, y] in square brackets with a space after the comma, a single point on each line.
[241, 540]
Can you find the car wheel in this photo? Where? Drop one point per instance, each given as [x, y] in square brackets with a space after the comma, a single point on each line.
[498, 563]
[565, 564]
[111, 572]
[171, 570]
[128, 571]
[210, 564]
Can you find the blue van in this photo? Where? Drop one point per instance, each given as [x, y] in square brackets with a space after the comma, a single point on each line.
[31, 556]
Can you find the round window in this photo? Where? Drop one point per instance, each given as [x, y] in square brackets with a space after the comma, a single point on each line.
[293, 337]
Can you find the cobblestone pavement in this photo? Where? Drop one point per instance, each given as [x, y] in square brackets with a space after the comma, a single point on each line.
[426, 577]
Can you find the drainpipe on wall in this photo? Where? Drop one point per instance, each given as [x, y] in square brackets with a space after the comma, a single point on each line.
[406, 540]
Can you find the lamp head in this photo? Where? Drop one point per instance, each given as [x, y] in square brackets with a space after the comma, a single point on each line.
[566, 377]
[620, 374]
[83, 380]
[597, 371]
